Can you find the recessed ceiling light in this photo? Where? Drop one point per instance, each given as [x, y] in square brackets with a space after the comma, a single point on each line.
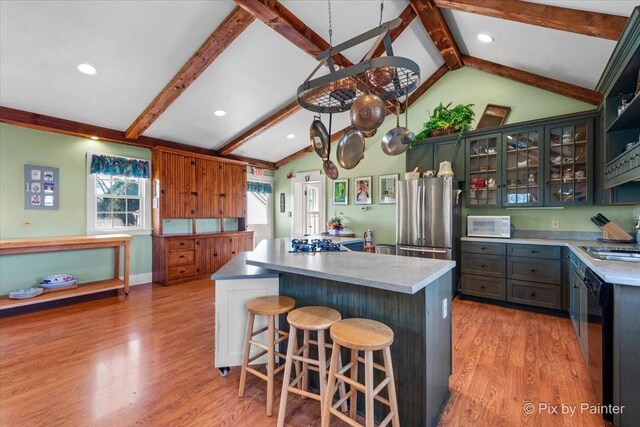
[486, 38]
[87, 69]
[291, 136]
[220, 113]
[95, 138]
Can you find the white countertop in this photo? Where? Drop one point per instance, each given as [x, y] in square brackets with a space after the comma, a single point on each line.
[617, 272]
[237, 268]
[390, 272]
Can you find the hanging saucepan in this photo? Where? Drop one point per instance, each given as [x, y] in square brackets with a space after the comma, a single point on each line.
[329, 167]
[350, 148]
[397, 140]
[319, 138]
[367, 112]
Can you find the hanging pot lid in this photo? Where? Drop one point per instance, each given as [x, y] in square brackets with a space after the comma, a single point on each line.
[350, 148]
[319, 138]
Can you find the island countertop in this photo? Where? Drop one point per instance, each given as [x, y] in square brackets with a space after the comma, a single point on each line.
[389, 272]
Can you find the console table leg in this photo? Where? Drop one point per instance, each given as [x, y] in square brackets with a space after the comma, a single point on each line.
[116, 263]
[127, 246]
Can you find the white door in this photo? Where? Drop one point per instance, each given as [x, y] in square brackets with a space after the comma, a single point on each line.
[309, 204]
[260, 212]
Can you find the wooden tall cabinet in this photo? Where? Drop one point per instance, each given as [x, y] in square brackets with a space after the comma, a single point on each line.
[195, 187]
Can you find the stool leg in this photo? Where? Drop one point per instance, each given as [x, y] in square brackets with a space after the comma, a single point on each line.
[368, 382]
[305, 365]
[322, 371]
[247, 349]
[391, 388]
[353, 402]
[270, 363]
[287, 375]
[331, 382]
[341, 387]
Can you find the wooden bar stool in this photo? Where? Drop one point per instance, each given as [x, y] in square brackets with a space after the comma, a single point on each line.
[368, 336]
[271, 307]
[307, 319]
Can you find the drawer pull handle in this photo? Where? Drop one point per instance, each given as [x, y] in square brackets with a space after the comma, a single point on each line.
[482, 265]
[533, 270]
[181, 271]
[533, 251]
[181, 243]
[482, 286]
[482, 248]
[181, 256]
[533, 293]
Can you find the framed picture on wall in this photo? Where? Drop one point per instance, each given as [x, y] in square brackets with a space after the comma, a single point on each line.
[387, 188]
[341, 192]
[363, 191]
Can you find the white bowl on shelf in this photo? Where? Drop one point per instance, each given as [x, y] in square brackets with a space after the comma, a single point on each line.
[25, 293]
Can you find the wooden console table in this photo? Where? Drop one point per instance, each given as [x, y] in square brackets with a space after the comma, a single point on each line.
[69, 243]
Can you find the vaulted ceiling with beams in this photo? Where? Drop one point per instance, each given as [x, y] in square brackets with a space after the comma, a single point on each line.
[164, 67]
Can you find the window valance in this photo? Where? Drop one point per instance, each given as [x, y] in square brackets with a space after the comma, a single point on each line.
[122, 166]
[259, 187]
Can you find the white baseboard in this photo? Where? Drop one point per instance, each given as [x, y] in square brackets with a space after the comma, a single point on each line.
[139, 279]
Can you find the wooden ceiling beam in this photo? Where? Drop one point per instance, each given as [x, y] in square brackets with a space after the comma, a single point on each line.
[265, 10]
[436, 26]
[552, 85]
[218, 41]
[46, 123]
[559, 18]
[430, 81]
[289, 26]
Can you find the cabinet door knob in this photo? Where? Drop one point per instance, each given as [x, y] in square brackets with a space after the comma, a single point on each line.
[533, 270]
[181, 271]
[482, 265]
[533, 293]
[181, 256]
[482, 248]
[181, 243]
[533, 251]
[482, 286]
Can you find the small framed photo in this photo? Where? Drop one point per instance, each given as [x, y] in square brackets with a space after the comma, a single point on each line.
[35, 187]
[341, 192]
[363, 190]
[36, 174]
[48, 200]
[36, 200]
[387, 188]
[49, 187]
[48, 176]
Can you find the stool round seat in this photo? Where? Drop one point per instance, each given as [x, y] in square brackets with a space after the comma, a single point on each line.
[313, 318]
[362, 334]
[269, 306]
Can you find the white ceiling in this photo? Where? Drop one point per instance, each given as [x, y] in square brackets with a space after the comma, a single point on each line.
[556, 54]
[138, 45]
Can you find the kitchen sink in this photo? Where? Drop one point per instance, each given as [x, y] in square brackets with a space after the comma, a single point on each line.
[629, 254]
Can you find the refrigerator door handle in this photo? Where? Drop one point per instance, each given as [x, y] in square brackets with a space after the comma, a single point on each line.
[430, 251]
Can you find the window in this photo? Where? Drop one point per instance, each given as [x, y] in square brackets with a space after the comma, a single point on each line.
[116, 203]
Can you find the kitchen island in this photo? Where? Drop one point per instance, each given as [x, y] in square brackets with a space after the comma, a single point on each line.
[410, 295]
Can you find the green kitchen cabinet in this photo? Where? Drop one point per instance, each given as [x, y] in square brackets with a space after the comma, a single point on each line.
[483, 170]
[429, 153]
[522, 167]
[569, 163]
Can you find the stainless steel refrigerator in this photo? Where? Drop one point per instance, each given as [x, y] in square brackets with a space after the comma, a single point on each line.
[428, 219]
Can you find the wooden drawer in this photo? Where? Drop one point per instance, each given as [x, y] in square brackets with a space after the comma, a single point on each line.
[484, 248]
[180, 244]
[182, 272]
[534, 251]
[486, 287]
[181, 257]
[537, 294]
[483, 265]
[534, 270]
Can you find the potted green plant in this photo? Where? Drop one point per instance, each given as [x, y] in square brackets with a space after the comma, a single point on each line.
[446, 120]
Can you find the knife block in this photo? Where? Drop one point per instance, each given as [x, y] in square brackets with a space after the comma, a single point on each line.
[612, 231]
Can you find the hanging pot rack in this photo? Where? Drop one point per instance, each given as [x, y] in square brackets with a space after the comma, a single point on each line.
[394, 76]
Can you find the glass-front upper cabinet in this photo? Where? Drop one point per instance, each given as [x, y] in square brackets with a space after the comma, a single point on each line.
[483, 170]
[522, 163]
[569, 166]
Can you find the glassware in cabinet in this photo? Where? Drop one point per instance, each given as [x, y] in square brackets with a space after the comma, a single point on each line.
[483, 170]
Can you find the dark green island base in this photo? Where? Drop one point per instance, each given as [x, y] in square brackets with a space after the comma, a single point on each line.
[421, 350]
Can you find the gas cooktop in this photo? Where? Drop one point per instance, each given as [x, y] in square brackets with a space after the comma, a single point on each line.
[315, 245]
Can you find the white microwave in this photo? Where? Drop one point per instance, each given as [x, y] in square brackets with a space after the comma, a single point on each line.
[489, 226]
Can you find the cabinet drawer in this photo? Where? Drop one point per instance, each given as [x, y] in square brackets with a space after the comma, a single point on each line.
[182, 271]
[181, 257]
[179, 244]
[534, 270]
[484, 248]
[483, 265]
[534, 251]
[537, 294]
[486, 287]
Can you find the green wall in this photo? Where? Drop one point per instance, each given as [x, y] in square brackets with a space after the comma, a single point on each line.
[20, 146]
[464, 86]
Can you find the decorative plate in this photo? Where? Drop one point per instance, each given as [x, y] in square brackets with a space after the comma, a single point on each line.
[59, 284]
[57, 278]
[25, 293]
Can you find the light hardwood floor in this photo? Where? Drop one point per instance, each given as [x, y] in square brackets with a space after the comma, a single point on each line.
[148, 360]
